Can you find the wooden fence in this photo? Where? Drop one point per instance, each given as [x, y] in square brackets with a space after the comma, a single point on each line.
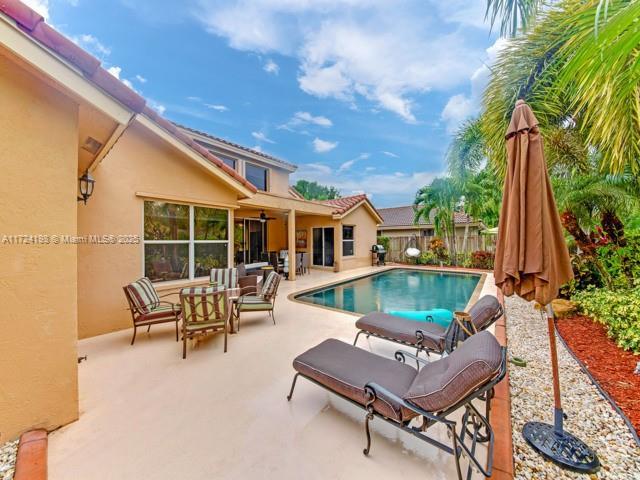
[398, 245]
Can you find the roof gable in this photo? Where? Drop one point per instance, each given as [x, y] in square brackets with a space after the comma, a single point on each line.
[345, 205]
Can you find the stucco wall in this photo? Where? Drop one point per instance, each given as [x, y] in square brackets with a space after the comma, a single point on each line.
[278, 181]
[364, 235]
[139, 162]
[38, 161]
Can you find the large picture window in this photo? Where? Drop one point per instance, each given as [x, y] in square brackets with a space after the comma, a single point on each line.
[256, 175]
[183, 241]
[347, 241]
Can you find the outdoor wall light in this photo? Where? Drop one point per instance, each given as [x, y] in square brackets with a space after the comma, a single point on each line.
[86, 187]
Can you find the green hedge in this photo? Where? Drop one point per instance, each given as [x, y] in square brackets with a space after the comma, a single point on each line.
[618, 310]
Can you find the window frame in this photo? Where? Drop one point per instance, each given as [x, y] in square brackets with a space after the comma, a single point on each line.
[352, 240]
[191, 241]
[266, 174]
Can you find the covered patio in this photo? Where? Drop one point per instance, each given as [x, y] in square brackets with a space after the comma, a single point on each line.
[221, 415]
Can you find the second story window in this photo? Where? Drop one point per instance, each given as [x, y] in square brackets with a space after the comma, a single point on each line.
[228, 160]
[257, 176]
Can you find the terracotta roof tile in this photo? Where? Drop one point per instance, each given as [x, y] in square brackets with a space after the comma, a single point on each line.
[237, 145]
[344, 204]
[404, 216]
[34, 25]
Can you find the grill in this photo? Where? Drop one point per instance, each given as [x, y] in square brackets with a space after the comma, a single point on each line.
[378, 254]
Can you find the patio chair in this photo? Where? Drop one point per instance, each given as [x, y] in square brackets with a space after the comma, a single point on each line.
[305, 262]
[428, 336]
[205, 310]
[261, 302]
[400, 394]
[224, 277]
[299, 266]
[146, 307]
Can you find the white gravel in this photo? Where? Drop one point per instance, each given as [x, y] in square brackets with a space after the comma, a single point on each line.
[8, 453]
[591, 417]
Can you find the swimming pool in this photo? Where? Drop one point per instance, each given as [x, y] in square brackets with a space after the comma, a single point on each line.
[397, 289]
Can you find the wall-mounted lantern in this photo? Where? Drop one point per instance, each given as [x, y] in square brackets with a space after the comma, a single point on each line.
[86, 187]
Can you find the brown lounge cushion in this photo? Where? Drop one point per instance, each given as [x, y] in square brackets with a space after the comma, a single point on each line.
[445, 382]
[346, 369]
[398, 328]
[484, 311]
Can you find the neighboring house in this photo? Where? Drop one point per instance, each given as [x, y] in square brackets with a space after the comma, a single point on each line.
[400, 222]
[169, 203]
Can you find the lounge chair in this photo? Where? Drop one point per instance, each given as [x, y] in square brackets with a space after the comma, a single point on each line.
[398, 393]
[429, 336]
[205, 310]
[261, 302]
[146, 307]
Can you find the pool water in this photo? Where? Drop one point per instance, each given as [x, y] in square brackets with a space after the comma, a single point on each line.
[397, 289]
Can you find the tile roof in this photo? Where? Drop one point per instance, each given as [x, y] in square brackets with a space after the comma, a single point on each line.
[344, 204]
[34, 25]
[237, 145]
[404, 216]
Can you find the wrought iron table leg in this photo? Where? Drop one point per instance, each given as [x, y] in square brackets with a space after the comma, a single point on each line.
[293, 385]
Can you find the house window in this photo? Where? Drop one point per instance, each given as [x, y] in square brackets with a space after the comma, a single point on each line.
[347, 241]
[256, 175]
[183, 241]
[231, 162]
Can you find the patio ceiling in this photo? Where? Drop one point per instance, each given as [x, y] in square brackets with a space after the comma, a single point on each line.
[264, 201]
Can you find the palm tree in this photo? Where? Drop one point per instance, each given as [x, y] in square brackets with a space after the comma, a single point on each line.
[437, 202]
[574, 62]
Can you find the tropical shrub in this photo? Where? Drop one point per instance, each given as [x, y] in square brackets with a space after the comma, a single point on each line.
[428, 258]
[437, 246]
[482, 259]
[617, 310]
[385, 242]
[622, 262]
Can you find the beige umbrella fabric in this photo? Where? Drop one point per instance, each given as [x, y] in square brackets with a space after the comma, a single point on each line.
[532, 259]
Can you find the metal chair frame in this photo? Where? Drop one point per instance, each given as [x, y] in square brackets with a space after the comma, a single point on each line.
[138, 315]
[471, 418]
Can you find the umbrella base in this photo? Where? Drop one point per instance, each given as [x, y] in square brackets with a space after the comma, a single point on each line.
[561, 447]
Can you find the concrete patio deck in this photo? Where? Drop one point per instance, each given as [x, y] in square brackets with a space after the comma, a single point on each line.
[146, 413]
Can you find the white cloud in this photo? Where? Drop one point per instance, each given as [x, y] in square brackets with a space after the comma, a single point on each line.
[351, 50]
[257, 148]
[40, 6]
[218, 108]
[323, 146]
[194, 99]
[141, 79]
[115, 71]
[91, 44]
[458, 108]
[304, 118]
[158, 107]
[271, 67]
[461, 106]
[390, 154]
[261, 137]
[348, 164]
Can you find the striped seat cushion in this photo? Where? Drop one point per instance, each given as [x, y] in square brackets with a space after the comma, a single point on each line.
[203, 307]
[270, 286]
[143, 295]
[226, 277]
[160, 312]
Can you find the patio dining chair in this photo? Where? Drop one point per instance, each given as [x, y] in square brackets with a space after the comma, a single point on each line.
[261, 302]
[146, 307]
[205, 310]
[224, 277]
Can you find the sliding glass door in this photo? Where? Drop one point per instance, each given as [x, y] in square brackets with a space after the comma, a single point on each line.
[250, 240]
[323, 251]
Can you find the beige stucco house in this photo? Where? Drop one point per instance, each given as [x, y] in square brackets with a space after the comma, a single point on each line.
[169, 203]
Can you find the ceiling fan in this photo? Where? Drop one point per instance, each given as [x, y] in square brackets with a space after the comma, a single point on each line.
[264, 218]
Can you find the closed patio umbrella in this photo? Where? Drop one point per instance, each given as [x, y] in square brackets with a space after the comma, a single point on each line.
[533, 262]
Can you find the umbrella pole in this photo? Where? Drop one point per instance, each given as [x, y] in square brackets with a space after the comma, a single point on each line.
[557, 415]
[552, 441]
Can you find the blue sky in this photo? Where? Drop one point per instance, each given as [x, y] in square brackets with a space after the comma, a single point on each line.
[361, 94]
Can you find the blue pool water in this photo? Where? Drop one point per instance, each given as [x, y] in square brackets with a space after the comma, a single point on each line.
[397, 289]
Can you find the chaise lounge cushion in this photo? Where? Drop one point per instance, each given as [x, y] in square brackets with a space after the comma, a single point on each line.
[484, 311]
[444, 383]
[399, 328]
[346, 369]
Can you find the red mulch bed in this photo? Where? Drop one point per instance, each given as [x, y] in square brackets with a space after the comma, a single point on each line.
[611, 366]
